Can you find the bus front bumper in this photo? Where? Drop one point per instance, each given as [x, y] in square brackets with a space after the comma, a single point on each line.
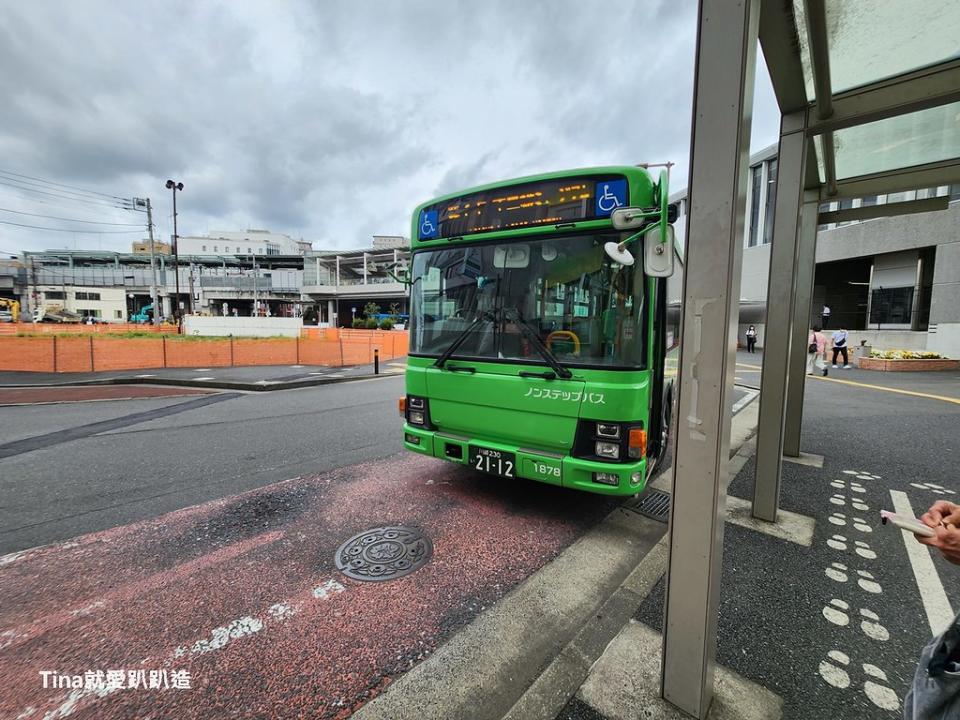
[546, 467]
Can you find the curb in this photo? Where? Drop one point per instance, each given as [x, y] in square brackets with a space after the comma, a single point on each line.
[261, 386]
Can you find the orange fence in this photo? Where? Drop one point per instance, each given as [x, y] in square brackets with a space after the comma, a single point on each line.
[81, 329]
[58, 353]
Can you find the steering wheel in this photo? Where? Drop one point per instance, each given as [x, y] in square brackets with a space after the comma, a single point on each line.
[564, 335]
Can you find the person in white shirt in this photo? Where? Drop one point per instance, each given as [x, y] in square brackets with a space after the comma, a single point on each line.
[840, 347]
[825, 317]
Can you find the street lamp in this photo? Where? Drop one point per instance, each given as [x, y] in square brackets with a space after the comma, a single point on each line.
[171, 185]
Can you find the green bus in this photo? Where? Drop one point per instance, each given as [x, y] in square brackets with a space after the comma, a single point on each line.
[538, 348]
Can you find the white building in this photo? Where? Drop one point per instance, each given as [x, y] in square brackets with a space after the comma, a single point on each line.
[242, 242]
[104, 303]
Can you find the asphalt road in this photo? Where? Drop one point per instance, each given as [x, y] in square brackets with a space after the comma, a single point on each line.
[110, 463]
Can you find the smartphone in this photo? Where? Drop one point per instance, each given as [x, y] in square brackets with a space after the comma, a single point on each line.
[907, 523]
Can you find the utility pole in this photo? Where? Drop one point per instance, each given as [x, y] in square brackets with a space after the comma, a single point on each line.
[191, 288]
[154, 291]
[171, 185]
[256, 310]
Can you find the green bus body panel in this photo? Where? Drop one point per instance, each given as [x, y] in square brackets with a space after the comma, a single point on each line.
[640, 194]
[496, 408]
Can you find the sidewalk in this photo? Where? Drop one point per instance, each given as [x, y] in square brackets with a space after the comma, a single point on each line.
[252, 378]
[833, 627]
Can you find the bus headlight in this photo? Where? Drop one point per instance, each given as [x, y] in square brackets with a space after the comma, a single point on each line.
[608, 450]
[608, 430]
[418, 411]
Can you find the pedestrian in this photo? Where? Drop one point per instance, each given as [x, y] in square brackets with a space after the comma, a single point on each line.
[934, 695]
[751, 339]
[825, 316]
[816, 347]
[839, 340]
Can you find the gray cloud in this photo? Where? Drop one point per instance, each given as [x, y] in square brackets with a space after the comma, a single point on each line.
[331, 120]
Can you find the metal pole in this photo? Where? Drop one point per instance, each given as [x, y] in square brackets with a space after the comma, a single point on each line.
[176, 260]
[190, 278]
[806, 261]
[781, 289]
[256, 311]
[376, 361]
[719, 160]
[155, 296]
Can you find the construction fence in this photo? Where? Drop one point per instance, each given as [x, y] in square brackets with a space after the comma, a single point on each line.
[93, 353]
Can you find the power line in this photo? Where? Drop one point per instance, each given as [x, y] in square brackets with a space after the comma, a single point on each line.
[88, 201]
[86, 232]
[51, 182]
[54, 217]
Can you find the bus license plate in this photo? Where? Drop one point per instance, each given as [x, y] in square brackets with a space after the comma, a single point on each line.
[495, 462]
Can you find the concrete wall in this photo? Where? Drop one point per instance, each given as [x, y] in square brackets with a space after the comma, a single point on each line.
[242, 326]
[944, 333]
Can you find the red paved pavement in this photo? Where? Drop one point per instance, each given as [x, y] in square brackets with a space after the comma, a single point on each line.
[20, 396]
[243, 593]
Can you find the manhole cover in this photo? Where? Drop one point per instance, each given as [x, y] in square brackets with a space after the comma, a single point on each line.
[384, 553]
[655, 505]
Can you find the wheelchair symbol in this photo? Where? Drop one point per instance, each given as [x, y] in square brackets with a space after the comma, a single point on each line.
[427, 228]
[608, 202]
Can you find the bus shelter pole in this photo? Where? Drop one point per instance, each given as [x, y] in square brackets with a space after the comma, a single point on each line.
[806, 262]
[781, 291]
[719, 150]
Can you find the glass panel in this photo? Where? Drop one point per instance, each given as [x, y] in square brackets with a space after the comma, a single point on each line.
[892, 306]
[756, 179]
[922, 137]
[771, 202]
[587, 309]
[869, 41]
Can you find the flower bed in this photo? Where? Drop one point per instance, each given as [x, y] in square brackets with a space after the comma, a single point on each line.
[909, 364]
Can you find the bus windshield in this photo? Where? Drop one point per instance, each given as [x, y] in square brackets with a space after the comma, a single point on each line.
[586, 309]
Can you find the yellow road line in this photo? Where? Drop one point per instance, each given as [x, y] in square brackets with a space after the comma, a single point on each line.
[945, 398]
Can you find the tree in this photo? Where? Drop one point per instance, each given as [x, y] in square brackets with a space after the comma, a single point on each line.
[371, 309]
[395, 309]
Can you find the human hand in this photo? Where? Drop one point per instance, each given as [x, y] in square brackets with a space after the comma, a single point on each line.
[941, 512]
[947, 540]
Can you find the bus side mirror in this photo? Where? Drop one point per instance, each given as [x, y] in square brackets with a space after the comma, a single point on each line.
[658, 251]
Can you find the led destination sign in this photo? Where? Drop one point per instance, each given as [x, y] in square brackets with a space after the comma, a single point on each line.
[542, 203]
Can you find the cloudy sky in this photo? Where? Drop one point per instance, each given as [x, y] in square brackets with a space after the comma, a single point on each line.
[326, 120]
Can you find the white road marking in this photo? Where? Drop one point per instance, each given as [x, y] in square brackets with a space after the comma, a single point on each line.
[871, 626]
[204, 378]
[935, 602]
[836, 612]
[837, 542]
[867, 582]
[201, 369]
[864, 551]
[837, 572]
[144, 376]
[831, 673]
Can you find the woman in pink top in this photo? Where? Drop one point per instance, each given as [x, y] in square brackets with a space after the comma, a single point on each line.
[818, 339]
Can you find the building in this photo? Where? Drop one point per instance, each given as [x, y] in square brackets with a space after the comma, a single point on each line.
[893, 281]
[142, 247]
[241, 242]
[342, 282]
[119, 285]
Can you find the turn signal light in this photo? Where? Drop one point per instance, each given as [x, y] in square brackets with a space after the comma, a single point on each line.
[403, 407]
[638, 442]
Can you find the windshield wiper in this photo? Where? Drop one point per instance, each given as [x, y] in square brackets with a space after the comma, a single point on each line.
[534, 337]
[459, 339]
